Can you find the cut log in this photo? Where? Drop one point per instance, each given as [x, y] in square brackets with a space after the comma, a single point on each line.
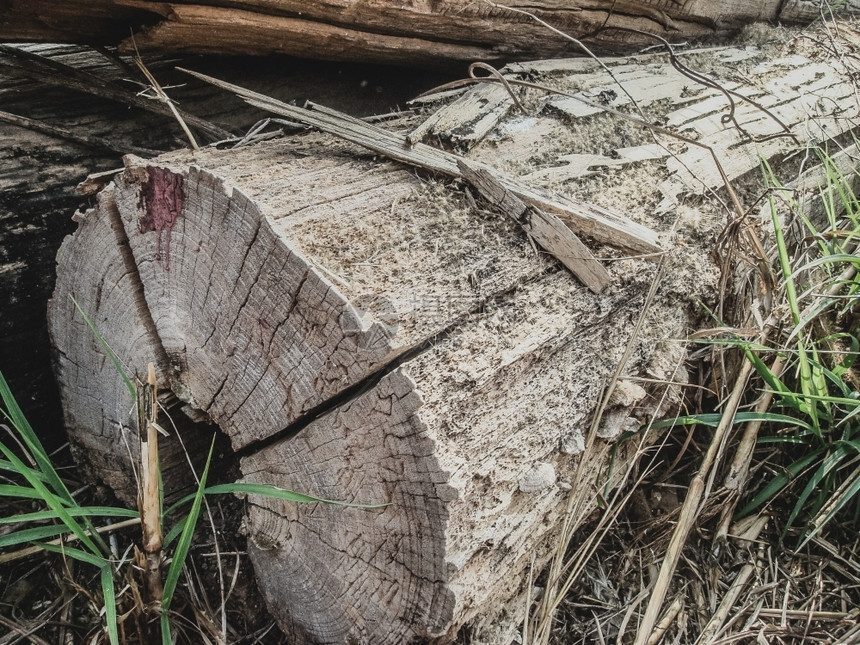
[423, 33]
[360, 335]
[366, 333]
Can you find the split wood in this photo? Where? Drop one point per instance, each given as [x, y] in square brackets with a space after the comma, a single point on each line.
[587, 219]
[547, 229]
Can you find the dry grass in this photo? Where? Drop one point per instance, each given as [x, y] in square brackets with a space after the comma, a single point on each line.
[807, 596]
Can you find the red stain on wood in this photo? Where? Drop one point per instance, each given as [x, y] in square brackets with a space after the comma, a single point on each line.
[161, 198]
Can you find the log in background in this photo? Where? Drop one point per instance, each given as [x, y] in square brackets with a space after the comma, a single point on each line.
[417, 32]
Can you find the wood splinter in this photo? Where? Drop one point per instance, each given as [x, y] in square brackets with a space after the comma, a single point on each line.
[547, 229]
[149, 503]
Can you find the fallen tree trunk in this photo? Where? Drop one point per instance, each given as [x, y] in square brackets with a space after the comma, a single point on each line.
[413, 33]
[370, 339]
[364, 334]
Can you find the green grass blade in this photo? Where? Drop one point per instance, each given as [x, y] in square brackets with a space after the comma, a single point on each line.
[22, 492]
[79, 511]
[850, 492]
[47, 474]
[182, 549]
[808, 380]
[174, 532]
[799, 441]
[778, 483]
[850, 416]
[166, 638]
[766, 374]
[12, 411]
[76, 554]
[835, 258]
[53, 502]
[712, 420]
[812, 315]
[22, 469]
[851, 444]
[266, 490]
[35, 534]
[109, 594]
[9, 468]
[107, 583]
[827, 465]
[741, 343]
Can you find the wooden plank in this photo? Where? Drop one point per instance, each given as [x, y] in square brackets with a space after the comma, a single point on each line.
[547, 229]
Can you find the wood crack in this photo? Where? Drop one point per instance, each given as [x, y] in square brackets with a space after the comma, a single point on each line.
[370, 381]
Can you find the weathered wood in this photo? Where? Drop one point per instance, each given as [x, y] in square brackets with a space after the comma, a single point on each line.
[51, 72]
[417, 398]
[467, 120]
[39, 169]
[432, 33]
[547, 229]
[364, 333]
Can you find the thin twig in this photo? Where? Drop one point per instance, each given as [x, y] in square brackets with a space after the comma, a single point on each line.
[501, 79]
[700, 78]
[575, 41]
[25, 632]
[218, 554]
[161, 95]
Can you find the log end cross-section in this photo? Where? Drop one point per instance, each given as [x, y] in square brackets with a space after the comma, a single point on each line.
[347, 574]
